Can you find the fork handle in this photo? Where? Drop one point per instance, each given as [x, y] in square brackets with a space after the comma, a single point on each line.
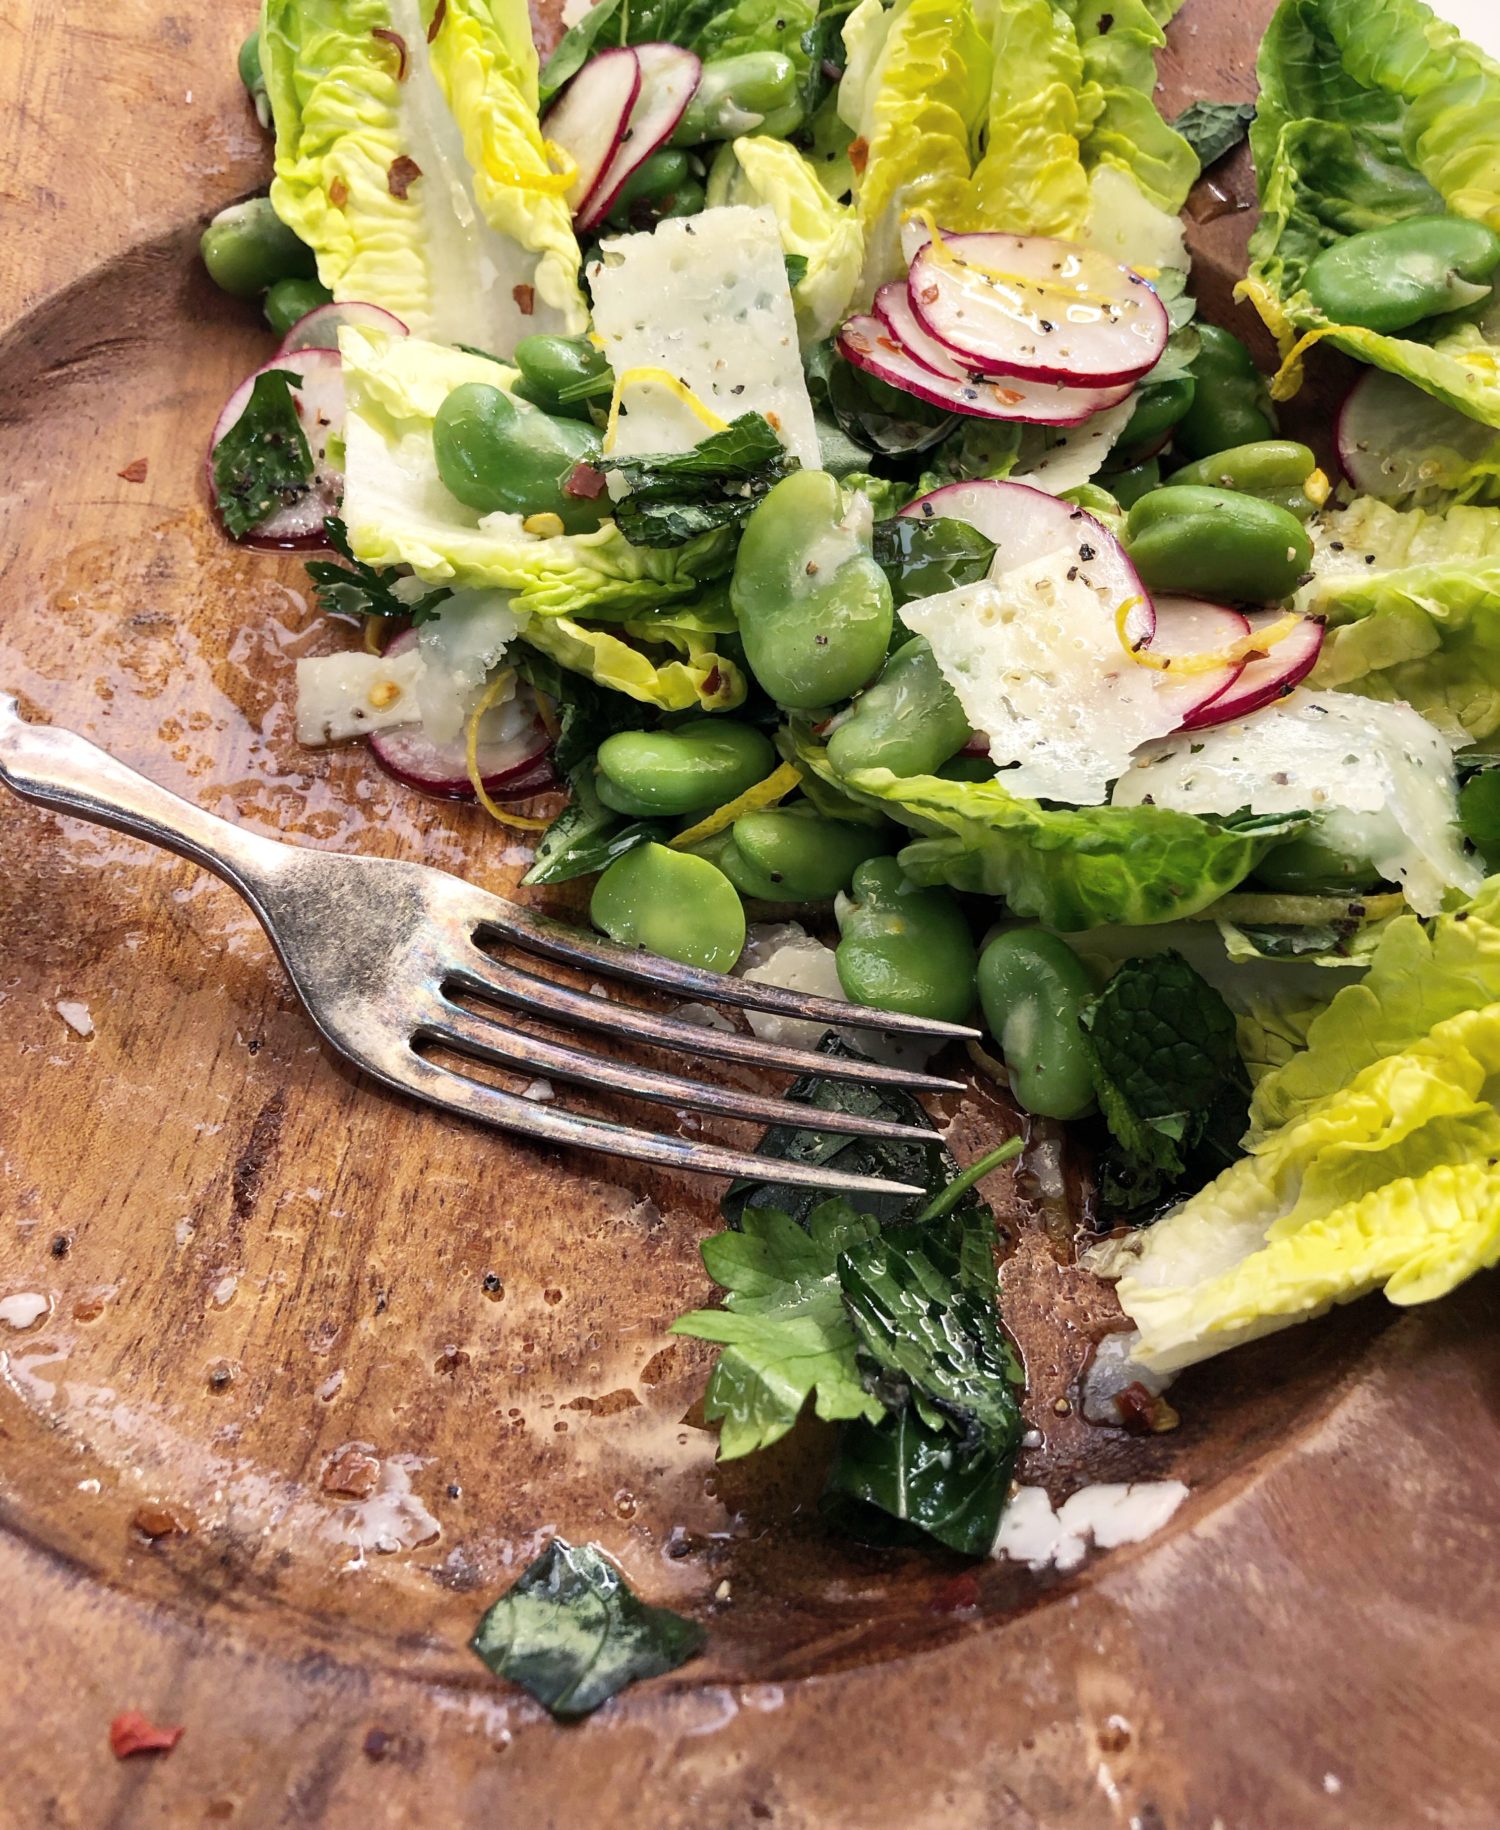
[61, 770]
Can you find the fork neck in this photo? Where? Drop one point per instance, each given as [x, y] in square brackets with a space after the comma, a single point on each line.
[60, 770]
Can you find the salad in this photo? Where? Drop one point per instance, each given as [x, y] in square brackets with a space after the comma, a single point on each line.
[775, 461]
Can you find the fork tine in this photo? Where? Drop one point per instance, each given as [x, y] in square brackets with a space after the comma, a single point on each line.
[489, 1041]
[491, 978]
[455, 1092]
[556, 940]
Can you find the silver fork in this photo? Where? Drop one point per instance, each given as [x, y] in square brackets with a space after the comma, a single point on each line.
[378, 948]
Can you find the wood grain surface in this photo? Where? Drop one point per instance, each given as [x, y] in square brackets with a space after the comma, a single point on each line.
[319, 1371]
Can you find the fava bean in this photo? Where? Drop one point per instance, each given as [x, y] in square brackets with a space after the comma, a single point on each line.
[740, 94]
[247, 248]
[814, 609]
[902, 947]
[1159, 405]
[690, 769]
[673, 904]
[653, 181]
[1275, 469]
[254, 77]
[1214, 543]
[495, 454]
[561, 375]
[1128, 486]
[290, 300]
[1313, 864]
[1231, 403]
[1032, 989]
[793, 854]
[909, 721]
[1391, 278]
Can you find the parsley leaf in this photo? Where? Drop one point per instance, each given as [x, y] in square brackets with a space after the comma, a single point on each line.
[572, 1632]
[675, 496]
[262, 463]
[1214, 128]
[784, 1329]
[1169, 1079]
[356, 589]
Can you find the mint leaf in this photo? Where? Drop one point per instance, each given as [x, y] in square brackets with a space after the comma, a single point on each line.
[262, 463]
[796, 270]
[1169, 1079]
[359, 590]
[898, 1479]
[574, 46]
[572, 1633]
[783, 1327]
[584, 713]
[674, 496]
[922, 558]
[1214, 128]
[587, 836]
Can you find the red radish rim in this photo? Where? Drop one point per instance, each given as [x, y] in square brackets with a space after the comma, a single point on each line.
[1216, 682]
[861, 337]
[1000, 511]
[533, 774]
[306, 332]
[554, 122]
[315, 536]
[643, 134]
[925, 267]
[1261, 683]
[894, 311]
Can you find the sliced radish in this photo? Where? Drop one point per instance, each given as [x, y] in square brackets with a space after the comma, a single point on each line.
[869, 345]
[590, 118]
[668, 75]
[1191, 626]
[320, 327]
[1397, 442]
[893, 308]
[1262, 682]
[514, 751]
[1027, 524]
[318, 395]
[1035, 306]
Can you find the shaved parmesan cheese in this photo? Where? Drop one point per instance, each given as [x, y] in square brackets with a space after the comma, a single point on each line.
[1038, 666]
[459, 647]
[1126, 225]
[352, 694]
[706, 299]
[1068, 458]
[1380, 776]
[1110, 1512]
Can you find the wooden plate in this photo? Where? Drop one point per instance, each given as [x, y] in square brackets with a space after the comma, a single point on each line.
[252, 1260]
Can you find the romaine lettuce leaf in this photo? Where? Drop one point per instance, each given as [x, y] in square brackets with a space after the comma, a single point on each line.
[915, 91]
[1373, 1155]
[1071, 868]
[1118, 40]
[1412, 600]
[1422, 973]
[1363, 122]
[398, 512]
[758, 170]
[666, 659]
[417, 171]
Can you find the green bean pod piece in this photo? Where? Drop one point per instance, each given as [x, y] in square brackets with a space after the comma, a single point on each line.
[904, 948]
[1032, 989]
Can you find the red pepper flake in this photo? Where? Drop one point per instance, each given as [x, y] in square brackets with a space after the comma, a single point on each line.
[525, 298]
[437, 20]
[338, 193]
[586, 483]
[134, 471]
[1145, 1413]
[131, 1733]
[387, 36]
[859, 153]
[713, 680]
[958, 1595]
[403, 174]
